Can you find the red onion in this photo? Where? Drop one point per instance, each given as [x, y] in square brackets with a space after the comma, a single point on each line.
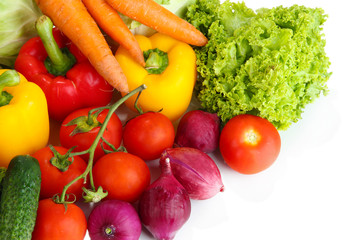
[198, 129]
[196, 171]
[165, 206]
[114, 220]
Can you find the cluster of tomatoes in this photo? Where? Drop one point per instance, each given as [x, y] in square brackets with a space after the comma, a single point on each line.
[124, 175]
[248, 144]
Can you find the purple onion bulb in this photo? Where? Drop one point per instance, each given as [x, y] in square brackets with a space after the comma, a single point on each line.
[165, 205]
[196, 171]
[198, 129]
[114, 220]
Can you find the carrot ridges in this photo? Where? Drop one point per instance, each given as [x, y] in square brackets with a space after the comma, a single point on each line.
[110, 21]
[151, 14]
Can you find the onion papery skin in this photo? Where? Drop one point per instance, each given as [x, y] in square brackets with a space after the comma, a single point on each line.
[196, 171]
[117, 217]
[165, 206]
[198, 129]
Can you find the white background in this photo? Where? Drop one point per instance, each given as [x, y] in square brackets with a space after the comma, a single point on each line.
[307, 193]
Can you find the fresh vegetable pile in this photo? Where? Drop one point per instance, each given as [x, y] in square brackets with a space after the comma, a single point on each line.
[56, 65]
[253, 74]
[270, 63]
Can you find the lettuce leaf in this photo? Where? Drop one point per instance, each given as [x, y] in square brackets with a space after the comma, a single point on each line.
[17, 19]
[269, 63]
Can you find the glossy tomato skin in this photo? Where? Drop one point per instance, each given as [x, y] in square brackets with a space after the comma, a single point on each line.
[55, 223]
[83, 141]
[147, 135]
[123, 175]
[249, 144]
[54, 180]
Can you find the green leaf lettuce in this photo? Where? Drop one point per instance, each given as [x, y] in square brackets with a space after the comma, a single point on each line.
[269, 63]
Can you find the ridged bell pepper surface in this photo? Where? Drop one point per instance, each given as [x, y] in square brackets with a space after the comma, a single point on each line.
[169, 74]
[67, 78]
[24, 120]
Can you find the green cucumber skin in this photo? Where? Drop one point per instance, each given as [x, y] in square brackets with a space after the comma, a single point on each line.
[19, 199]
[2, 175]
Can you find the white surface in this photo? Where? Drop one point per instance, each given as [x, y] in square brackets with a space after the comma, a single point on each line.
[307, 193]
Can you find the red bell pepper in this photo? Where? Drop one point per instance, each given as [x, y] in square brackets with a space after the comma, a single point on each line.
[66, 77]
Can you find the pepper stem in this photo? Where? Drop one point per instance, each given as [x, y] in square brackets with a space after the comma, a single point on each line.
[156, 61]
[59, 61]
[10, 78]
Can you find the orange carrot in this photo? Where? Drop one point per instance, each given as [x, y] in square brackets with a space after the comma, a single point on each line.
[73, 19]
[151, 14]
[109, 20]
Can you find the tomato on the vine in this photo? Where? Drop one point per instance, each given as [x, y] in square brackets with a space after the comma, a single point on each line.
[123, 175]
[148, 134]
[80, 131]
[57, 222]
[249, 144]
[56, 175]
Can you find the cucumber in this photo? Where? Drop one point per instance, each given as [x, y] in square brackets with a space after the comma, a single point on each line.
[19, 199]
[2, 175]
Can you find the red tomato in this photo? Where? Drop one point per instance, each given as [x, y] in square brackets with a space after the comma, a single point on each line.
[55, 223]
[249, 144]
[54, 180]
[147, 135]
[123, 175]
[83, 141]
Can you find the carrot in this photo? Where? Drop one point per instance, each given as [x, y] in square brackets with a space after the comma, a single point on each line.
[151, 14]
[72, 18]
[109, 20]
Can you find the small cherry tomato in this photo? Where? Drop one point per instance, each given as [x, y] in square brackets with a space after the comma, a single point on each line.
[123, 175]
[54, 175]
[249, 144]
[55, 222]
[82, 132]
[148, 134]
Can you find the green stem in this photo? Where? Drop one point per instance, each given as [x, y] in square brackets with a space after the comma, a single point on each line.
[85, 124]
[156, 61]
[139, 110]
[94, 113]
[59, 61]
[93, 147]
[79, 153]
[109, 145]
[60, 161]
[10, 78]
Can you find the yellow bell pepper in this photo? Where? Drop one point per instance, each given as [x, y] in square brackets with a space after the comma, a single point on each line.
[171, 90]
[24, 120]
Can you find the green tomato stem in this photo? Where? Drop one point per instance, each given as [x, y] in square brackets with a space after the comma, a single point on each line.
[93, 147]
[109, 145]
[61, 162]
[140, 111]
[79, 153]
